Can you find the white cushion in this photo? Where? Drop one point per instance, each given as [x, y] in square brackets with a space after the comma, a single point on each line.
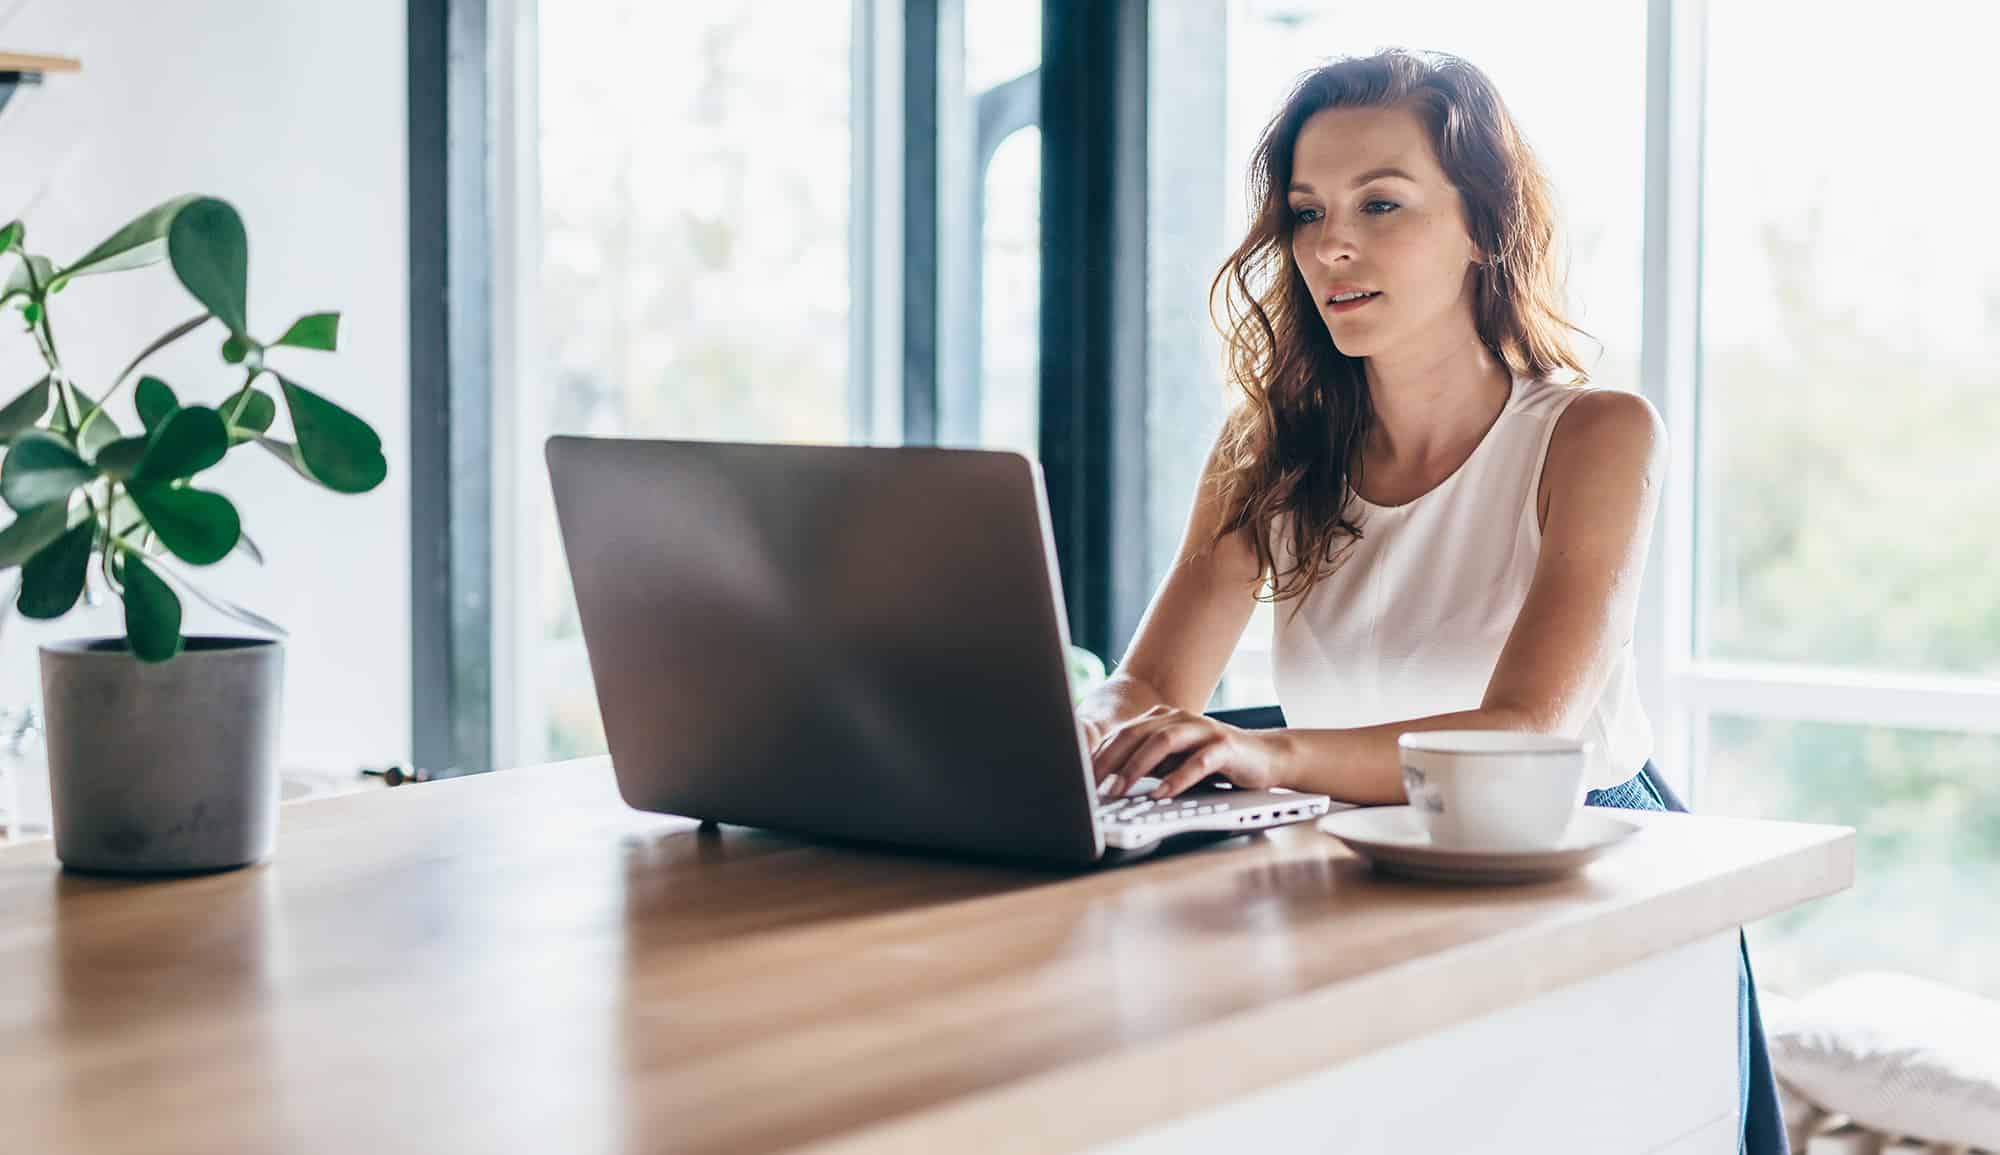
[1895, 1053]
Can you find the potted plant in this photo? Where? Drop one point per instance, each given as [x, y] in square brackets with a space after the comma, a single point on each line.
[161, 748]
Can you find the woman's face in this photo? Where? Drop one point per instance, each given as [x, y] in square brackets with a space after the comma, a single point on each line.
[1372, 211]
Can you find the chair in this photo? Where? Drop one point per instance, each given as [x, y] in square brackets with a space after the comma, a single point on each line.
[1251, 717]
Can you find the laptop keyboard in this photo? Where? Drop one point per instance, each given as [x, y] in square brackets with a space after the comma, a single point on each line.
[1136, 822]
[1140, 811]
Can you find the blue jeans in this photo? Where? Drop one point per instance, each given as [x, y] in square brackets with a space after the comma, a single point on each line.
[1763, 1120]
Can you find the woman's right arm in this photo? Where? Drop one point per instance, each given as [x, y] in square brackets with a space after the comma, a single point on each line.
[1191, 628]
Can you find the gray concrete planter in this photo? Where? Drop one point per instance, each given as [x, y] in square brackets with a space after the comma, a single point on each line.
[167, 768]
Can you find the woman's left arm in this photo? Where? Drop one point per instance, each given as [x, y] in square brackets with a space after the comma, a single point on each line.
[1599, 492]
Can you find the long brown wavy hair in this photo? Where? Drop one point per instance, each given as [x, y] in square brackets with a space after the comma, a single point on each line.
[1292, 443]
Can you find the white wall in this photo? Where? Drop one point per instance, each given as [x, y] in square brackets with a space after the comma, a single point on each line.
[295, 111]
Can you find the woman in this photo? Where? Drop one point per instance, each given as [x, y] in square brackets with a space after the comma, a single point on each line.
[1452, 524]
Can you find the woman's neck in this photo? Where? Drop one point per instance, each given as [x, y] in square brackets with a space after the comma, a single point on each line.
[1434, 408]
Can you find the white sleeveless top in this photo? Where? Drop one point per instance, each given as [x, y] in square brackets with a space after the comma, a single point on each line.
[1412, 622]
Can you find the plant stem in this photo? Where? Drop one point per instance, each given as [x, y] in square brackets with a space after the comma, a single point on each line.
[47, 334]
[104, 563]
[104, 535]
[243, 397]
[48, 355]
[173, 334]
[35, 330]
[45, 339]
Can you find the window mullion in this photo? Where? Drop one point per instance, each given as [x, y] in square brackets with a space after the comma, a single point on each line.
[1666, 632]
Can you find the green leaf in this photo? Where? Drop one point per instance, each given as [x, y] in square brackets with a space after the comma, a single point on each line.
[338, 448]
[53, 578]
[121, 458]
[288, 453]
[40, 469]
[141, 242]
[32, 531]
[17, 277]
[152, 613]
[187, 442]
[125, 516]
[11, 235]
[155, 400]
[25, 411]
[99, 430]
[211, 256]
[313, 331]
[258, 413]
[234, 349]
[198, 526]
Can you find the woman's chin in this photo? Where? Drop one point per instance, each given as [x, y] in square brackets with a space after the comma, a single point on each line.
[1352, 344]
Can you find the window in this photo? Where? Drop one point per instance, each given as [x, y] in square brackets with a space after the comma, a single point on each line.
[1592, 149]
[1009, 383]
[1001, 111]
[1850, 338]
[1846, 623]
[694, 280]
[1926, 804]
[691, 185]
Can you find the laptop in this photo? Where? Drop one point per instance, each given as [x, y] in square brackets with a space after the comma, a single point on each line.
[862, 644]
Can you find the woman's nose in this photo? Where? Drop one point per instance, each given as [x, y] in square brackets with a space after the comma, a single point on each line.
[1333, 244]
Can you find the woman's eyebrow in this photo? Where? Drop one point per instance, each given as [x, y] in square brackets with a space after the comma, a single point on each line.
[1381, 174]
[1299, 186]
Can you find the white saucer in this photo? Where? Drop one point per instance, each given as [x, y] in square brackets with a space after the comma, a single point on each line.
[1392, 840]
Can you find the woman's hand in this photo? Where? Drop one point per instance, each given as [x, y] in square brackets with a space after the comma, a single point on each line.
[1094, 733]
[1181, 749]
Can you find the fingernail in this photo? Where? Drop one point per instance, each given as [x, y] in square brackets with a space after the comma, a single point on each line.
[1104, 784]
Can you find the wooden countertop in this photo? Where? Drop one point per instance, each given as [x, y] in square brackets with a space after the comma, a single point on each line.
[520, 962]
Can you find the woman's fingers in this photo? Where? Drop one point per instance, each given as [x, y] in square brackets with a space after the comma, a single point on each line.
[1191, 771]
[1119, 751]
[1118, 745]
[1162, 741]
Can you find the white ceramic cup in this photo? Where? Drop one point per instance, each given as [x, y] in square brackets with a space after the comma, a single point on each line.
[1494, 790]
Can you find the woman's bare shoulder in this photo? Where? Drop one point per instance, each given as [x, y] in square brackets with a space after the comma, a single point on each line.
[1613, 424]
[1606, 441]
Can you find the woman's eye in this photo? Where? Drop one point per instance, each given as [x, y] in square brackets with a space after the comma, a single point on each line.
[1306, 216]
[1380, 208]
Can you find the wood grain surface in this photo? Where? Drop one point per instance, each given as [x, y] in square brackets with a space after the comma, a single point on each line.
[519, 962]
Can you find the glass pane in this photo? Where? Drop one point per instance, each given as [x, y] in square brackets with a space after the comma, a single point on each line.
[1592, 149]
[1850, 346]
[1927, 806]
[1011, 298]
[1003, 39]
[1003, 43]
[695, 267]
